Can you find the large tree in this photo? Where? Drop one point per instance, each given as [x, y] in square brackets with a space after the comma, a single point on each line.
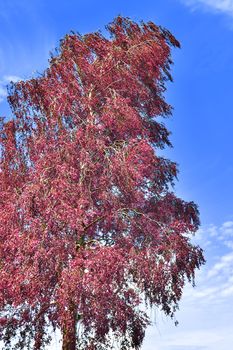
[89, 225]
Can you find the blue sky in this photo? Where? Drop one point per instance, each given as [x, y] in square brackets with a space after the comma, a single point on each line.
[201, 126]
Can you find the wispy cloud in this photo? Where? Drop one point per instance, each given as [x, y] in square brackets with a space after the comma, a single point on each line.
[6, 79]
[223, 266]
[3, 92]
[224, 6]
[199, 327]
[216, 279]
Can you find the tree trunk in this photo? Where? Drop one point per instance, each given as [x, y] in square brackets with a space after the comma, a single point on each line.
[69, 334]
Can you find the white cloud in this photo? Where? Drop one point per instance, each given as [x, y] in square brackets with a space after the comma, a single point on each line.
[224, 266]
[227, 224]
[215, 280]
[227, 229]
[205, 316]
[210, 234]
[224, 6]
[9, 78]
[3, 92]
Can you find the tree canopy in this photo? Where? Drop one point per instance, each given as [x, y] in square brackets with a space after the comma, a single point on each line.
[90, 226]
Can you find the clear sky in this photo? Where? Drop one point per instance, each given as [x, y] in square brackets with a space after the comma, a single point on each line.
[201, 126]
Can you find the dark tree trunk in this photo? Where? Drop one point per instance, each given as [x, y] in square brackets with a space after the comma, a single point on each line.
[69, 339]
[69, 334]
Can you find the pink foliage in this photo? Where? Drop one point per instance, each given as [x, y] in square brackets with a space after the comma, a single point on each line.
[89, 227]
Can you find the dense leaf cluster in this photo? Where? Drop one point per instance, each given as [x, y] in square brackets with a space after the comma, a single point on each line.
[89, 226]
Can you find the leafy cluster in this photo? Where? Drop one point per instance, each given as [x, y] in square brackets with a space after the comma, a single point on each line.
[89, 226]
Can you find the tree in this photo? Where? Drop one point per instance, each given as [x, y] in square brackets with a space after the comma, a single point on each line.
[89, 225]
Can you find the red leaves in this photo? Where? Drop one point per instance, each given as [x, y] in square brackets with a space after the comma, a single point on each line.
[120, 119]
[88, 225]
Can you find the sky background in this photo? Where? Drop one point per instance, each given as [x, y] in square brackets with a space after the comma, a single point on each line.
[201, 126]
